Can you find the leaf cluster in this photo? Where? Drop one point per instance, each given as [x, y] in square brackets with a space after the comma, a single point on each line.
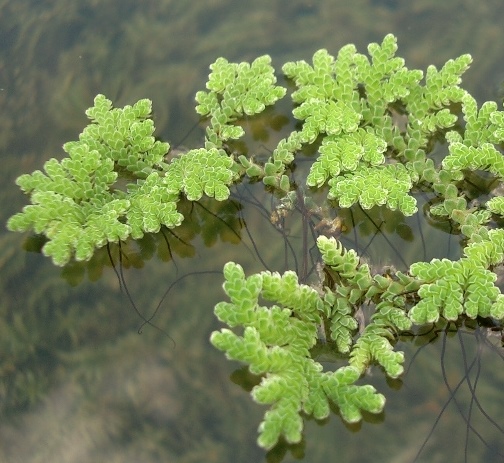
[235, 90]
[78, 203]
[72, 204]
[125, 135]
[276, 342]
[351, 287]
[356, 104]
[350, 101]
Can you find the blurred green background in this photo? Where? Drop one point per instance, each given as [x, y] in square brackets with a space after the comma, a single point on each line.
[77, 383]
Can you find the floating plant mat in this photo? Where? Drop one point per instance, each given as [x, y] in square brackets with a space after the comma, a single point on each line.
[336, 295]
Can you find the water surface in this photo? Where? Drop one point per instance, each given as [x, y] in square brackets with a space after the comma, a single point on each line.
[77, 383]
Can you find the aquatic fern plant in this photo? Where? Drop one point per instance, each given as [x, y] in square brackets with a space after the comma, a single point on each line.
[374, 123]
[276, 342]
[235, 90]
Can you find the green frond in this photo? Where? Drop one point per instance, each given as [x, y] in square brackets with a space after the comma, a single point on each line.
[284, 152]
[441, 119]
[481, 294]
[343, 325]
[426, 103]
[487, 252]
[354, 283]
[72, 205]
[325, 117]
[208, 102]
[371, 347]
[328, 79]
[346, 153]
[201, 171]
[235, 90]
[450, 289]
[473, 224]
[497, 310]
[351, 399]
[389, 314]
[286, 290]
[346, 79]
[311, 392]
[496, 205]
[81, 176]
[326, 92]
[375, 123]
[317, 82]
[344, 261]
[273, 170]
[125, 135]
[375, 342]
[483, 157]
[74, 202]
[73, 228]
[275, 325]
[354, 276]
[276, 342]
[281, 419]
[442, 87]
[479, 127]
[151, 206]
[497, 126]
[385, 78]
[375, 186]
